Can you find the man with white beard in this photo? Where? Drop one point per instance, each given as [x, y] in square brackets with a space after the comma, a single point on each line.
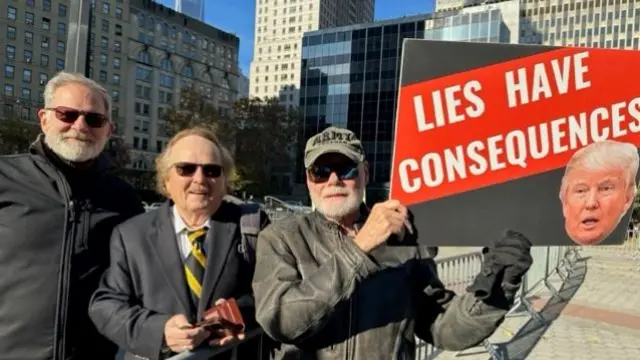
[346, 282]
[58, 206]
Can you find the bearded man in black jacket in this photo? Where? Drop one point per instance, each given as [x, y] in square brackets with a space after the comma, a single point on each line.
[58, 206]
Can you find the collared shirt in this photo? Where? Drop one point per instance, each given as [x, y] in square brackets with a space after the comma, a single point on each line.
[181, 232]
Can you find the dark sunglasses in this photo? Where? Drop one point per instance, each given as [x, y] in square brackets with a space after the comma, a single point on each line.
[68, 115]
[322, 173]
[188, 169]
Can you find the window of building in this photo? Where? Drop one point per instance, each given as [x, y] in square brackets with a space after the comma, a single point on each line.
[12, 13]
[62, 10]
[44, 60]
[10, 52]
[9, 71]
[11, 32]
[29, 18]
[46, 24]
[26, 76]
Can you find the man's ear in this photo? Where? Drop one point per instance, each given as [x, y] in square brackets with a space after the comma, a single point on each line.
[365, 167]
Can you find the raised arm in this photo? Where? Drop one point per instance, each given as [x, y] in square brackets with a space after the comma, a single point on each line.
[457, 322]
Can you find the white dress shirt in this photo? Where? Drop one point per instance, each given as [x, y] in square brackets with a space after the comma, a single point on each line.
[181, 232]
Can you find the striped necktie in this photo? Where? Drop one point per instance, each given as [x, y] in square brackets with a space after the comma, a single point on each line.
[195, 263]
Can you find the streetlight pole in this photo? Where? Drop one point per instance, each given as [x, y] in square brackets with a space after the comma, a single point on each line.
[77, 56]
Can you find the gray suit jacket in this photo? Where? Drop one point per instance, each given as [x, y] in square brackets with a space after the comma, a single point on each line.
[145, 284]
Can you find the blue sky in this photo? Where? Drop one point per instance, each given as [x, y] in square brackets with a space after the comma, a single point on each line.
[237, 16]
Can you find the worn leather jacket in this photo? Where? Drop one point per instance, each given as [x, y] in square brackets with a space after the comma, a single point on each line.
[323, 298]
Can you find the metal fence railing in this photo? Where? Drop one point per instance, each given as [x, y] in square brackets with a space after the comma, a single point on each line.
[456, 273]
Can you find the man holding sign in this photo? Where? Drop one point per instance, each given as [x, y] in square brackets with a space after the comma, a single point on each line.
[348, 282]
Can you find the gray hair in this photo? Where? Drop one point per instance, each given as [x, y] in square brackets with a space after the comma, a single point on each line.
[607, 154]
[64, 78]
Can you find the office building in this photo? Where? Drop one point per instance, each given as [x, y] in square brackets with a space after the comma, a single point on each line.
[350, 77]
[587, 23]
[33, 50]
[593, 23]
[279, 28]
[192, 8]
[243, 86]
[143, 53]
[167, 51]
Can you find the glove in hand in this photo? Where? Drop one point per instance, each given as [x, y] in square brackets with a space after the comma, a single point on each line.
[505, 261]
[512, 252]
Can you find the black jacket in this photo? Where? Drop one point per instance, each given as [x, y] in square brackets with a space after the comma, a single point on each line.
[55, 224]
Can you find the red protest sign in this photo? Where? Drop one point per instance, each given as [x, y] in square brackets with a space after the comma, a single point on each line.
[492, 126]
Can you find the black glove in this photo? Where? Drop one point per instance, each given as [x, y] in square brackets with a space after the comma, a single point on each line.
[505, 262]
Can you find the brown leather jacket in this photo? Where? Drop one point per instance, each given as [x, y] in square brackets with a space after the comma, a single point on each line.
[323, 298]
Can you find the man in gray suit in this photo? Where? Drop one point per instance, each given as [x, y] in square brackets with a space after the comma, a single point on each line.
[170, 265]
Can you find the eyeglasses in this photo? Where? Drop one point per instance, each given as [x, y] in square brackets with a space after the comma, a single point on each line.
[322, 173]
[69, 116]
[187, 169]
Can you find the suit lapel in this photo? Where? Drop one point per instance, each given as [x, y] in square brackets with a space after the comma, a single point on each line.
[220, 240]
[165, 245]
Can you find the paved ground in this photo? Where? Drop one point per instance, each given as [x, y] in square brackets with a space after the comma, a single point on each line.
[601, 319]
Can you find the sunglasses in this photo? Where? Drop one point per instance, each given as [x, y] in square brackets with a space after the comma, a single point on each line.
[322, 173]
[186, 169]
[69, 116]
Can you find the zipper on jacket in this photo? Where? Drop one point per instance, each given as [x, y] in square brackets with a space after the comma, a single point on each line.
[350, 343]
[85, 210]
[65, 266]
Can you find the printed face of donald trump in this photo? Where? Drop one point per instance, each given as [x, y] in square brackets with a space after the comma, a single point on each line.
[594, 202]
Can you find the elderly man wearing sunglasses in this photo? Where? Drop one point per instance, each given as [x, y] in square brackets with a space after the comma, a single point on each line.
[348, 282]
[170, 265]
[58, 205]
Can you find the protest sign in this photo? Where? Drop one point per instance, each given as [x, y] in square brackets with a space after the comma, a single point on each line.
[485, 132]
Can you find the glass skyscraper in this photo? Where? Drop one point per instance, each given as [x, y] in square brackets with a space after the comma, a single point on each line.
[350, 78]
[192, 8]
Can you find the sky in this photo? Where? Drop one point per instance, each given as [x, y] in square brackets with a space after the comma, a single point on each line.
[237, 16]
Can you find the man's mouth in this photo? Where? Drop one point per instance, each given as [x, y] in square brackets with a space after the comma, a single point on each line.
[590, 221]
[199, 192]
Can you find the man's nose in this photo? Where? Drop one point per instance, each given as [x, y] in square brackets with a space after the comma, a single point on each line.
[592, 199]
[199, 175]
[333, 179]
[80, 124]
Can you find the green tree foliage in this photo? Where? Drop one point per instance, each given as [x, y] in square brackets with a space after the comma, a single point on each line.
[16, 135]
[261, 134]
[266, 143]
[196, 108]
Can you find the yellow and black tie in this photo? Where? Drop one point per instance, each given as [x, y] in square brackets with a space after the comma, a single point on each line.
[195, 264]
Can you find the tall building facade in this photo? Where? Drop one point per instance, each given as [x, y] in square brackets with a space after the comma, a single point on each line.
[166, 52]
[141, 51]
[33, 49]
[279, 28]
[192, 8]
[350, 77]
[592, 23]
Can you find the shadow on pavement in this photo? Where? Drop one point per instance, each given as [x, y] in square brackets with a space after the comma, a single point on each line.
[532, 331]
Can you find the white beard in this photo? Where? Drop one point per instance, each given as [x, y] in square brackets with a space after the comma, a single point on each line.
[339, 208]
[77, 151]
